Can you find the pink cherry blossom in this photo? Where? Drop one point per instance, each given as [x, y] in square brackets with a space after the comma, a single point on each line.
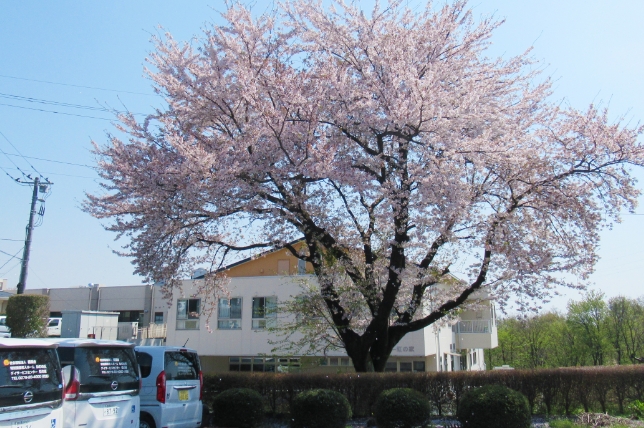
[388, 142]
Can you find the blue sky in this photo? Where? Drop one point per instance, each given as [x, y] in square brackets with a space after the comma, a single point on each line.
[94, 53]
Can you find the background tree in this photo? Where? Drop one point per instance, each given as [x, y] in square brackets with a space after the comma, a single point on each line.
[570, 351]
[388, 141]
[510, 344]
[528, 342]
[588, 318]
[594, 331]
[626, 328]
[539, 339]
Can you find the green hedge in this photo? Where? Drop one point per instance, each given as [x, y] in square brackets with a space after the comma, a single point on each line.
[548, 391]
[238, 407]
[402, 408]
[320, 408]
[27, 315]
[494, 406]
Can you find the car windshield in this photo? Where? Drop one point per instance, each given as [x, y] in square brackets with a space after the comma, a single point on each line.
[181, 365]
[103, 368]
[29, 376]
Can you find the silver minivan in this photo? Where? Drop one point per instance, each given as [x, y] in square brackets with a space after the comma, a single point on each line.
[172, 387]
[102, 383]
[31, 384]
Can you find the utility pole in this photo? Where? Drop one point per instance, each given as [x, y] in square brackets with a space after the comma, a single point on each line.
[42, 187]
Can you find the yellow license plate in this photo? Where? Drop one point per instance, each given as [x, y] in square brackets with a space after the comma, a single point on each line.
[183, 395]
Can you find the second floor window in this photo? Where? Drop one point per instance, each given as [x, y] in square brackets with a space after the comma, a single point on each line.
[264, 312]
[188, 314]
[229, 313]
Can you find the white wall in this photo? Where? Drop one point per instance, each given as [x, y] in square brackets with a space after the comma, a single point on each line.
[231, 342]
[249, 342]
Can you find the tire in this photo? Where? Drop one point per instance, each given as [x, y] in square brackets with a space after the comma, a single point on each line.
[146, 421]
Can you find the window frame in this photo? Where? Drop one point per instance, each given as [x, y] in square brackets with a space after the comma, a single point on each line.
[223, 320]
[267, 318]
[188, 317]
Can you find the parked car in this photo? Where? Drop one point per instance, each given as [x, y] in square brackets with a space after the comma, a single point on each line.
[31, 385]
[102, 383]
[4, 330]
[54, 327]
[172, 387]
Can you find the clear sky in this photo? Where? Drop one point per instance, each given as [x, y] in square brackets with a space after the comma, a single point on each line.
[92, 54]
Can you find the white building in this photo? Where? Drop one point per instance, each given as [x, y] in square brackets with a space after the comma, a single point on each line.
[232, 339]
[235, 338]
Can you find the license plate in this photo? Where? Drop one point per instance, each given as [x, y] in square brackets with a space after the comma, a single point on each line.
[110, 411]
[183, 395]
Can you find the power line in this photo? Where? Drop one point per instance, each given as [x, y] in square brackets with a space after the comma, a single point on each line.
[56, 174]
[10, 269]
[12, 257]
[49, 102]
[78, 86]
[54, 161]
[14, 164]
[16, 149]
[7, 239]
[62, 104]
[9, 175]
[56, 112]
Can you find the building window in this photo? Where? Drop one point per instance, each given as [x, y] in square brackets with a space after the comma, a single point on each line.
[301, 267]
[286, 365]
[158, 317]
[283, 267]
[262, 364]
[188, 311]
[130, 316]
[264, 312]
[391, 366]
[419, 366]
[229, 314]
[405, 366]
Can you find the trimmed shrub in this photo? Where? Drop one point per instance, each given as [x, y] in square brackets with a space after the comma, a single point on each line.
[320, 408]
[402, 408]
[494, 406]
[27, 315]
[238, 407]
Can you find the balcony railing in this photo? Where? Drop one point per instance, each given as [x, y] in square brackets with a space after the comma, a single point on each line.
[153, 331]
[473, 326]
[127, 330]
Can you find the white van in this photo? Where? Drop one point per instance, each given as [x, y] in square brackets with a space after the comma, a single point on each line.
[172, 387]
[31, 384]
[102, 383]
[54, 327]
[4, 330]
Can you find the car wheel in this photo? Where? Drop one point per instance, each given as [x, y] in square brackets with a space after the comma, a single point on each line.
[146, 421]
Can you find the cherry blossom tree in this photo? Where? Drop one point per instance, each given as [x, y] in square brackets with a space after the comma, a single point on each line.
[388, 142]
